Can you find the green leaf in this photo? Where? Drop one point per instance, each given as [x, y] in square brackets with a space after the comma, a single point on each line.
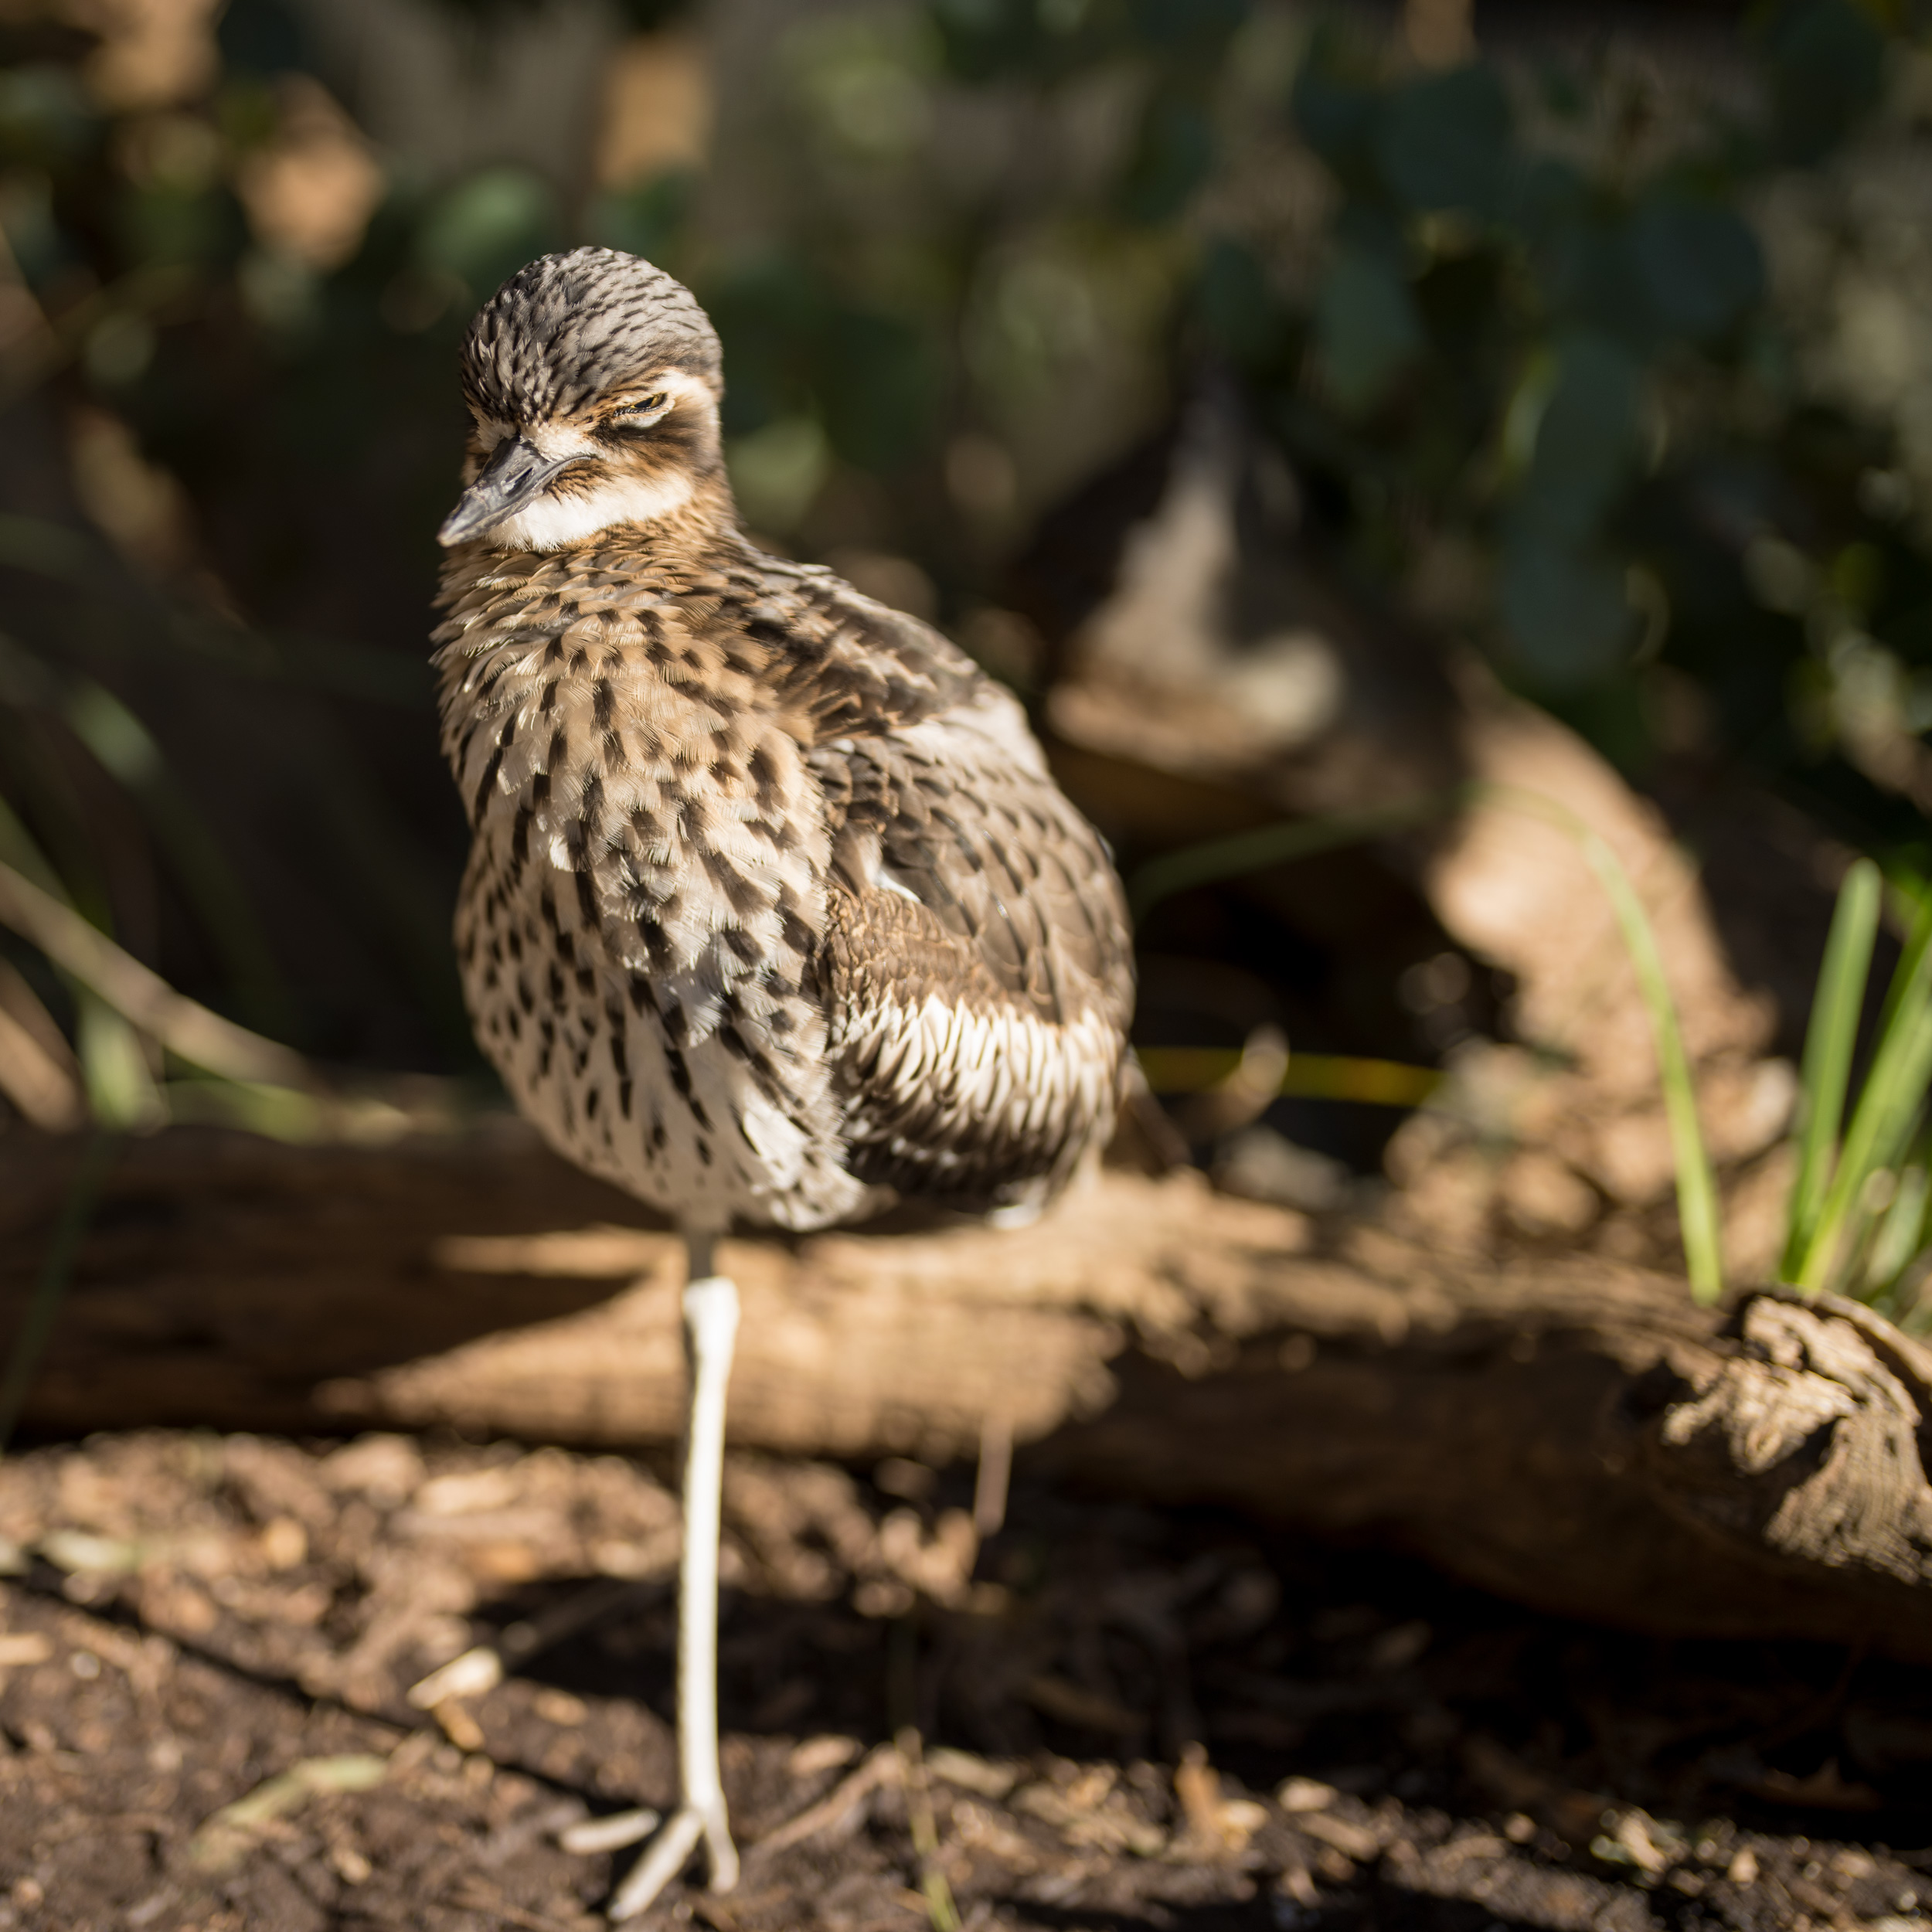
[121, 1093]
[1333, 109]
[1238, 309]
[1701, 265]
[1883, 1122]
[1900, 1233]
[1172, 157]
[1248, 851]
[1447, 141]
[1568, 619]
[1696, 1187]
[486, 227]
[644, 219]
[1561, 596]
[1827, 63]
[1365, 326]
[1585, 440]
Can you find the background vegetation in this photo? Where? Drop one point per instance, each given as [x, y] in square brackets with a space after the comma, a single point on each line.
[1598, 341]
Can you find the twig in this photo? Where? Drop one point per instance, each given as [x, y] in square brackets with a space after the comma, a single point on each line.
[186, 1029]
[831, 1810]
[45, 1091]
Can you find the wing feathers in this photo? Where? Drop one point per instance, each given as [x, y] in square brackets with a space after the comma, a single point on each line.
[979, 975]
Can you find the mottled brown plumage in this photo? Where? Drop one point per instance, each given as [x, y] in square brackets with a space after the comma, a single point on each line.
[772, 909]
[772, 901]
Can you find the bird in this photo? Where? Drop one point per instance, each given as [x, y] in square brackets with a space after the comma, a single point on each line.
[774, 914]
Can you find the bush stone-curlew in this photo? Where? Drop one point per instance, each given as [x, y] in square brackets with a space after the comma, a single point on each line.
[773, 912]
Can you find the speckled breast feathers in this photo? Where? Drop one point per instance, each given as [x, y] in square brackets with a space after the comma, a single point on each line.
[772, 905]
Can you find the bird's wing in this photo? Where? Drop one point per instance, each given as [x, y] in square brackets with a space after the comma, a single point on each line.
[840, 661]
[977, 965]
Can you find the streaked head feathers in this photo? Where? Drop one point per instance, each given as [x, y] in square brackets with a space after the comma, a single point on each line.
[593, 380]
[561, 332]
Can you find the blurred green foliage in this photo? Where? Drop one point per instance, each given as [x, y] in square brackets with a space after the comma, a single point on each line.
[1519, 326]
[1557, 346]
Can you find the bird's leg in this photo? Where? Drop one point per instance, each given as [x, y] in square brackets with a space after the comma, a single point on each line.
[710, 1331]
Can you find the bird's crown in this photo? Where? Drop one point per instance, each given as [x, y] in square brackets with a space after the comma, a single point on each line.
[566, 328]
[594, 381]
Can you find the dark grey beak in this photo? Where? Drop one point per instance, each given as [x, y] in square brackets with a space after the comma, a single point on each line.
[515, 472]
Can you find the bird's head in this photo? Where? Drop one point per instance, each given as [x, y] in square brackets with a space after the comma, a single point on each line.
[594, 381]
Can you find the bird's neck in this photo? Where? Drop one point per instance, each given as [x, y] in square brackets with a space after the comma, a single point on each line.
[487, 590]
[561, 658]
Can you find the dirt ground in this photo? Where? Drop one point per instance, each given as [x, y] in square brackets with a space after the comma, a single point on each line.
[1104, 1718]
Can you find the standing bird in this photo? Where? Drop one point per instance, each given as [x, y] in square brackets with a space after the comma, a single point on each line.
[772, 914]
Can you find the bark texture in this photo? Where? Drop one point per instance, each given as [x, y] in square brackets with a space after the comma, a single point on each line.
[1569, 1432]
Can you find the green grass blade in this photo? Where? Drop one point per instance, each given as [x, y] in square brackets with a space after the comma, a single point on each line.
[1912, 903]
[1276, 845]
[1882, 1121]
[1696, 1185]
[1829, 1041]
[125, 749]
[1215, 859]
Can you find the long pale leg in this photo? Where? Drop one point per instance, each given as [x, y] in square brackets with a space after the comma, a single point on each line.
[710, 1332]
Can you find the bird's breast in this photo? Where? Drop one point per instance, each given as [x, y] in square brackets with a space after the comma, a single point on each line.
[645, 897]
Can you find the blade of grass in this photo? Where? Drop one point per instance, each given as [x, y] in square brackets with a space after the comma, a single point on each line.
[121, 1093]
[81, 561]
[1913, 907]
[941, 1912]
[189, 1031]
[1248, 851]
[1881, 1122]
[1218, 858]
[1829, 1040]
[36, 1327]
[275, 1113]
[1696, 1186]
[128, 751]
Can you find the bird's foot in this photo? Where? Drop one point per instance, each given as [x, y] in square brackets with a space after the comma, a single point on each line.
[671, 1848]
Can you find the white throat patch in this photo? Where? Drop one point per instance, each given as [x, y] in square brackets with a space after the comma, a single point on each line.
[551, 521]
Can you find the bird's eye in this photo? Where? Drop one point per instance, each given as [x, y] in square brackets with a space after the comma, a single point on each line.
[647, 408]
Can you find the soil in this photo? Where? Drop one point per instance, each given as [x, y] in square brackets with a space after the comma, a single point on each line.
[1100, 1717]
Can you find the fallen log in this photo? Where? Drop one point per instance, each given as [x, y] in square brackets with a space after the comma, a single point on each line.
[1569, 1432]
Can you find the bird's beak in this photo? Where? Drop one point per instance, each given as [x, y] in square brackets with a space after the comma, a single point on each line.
[516, 471]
